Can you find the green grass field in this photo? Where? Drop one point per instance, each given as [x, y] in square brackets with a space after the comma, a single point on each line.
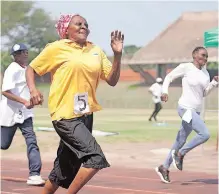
[126, 111]
[133, 146]
[133, 125]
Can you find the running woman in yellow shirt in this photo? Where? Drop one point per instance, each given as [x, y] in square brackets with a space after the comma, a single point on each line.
[76, 66]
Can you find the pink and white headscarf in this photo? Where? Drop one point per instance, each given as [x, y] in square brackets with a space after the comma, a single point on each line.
[63, 23]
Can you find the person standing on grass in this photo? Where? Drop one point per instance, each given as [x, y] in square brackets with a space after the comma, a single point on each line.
[156, 91]
[77, 66]
[195, 86]
[16, 111]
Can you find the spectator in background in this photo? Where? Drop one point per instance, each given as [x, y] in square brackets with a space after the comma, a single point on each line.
[16, 111]
[156, 91]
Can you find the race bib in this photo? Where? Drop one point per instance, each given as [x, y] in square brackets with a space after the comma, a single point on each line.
[81, 103]
[19, 117]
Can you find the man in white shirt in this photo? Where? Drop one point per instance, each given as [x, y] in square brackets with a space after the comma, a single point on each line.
[16, 111]
[156, 91]
[195, 86]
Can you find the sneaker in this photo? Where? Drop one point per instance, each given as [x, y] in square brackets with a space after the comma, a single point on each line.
[35, 180]
[163, 174]
[177, 160]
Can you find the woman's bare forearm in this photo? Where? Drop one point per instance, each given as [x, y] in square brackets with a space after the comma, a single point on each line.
[114, 74]
[30, 78]
[13, 97]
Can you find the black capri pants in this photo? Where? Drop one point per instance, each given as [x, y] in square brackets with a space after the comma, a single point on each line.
[77, 147]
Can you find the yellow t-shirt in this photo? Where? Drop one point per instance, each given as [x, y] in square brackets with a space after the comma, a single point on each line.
[75, 75]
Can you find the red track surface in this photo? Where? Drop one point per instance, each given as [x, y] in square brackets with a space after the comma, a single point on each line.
[113, 180]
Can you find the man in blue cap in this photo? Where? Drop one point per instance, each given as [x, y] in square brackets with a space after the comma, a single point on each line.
[16, 111]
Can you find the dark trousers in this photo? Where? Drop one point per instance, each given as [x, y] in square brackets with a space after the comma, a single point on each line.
[77, 147]
[157, 109]
[33, 153]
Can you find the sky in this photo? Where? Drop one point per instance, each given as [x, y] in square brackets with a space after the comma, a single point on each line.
[140, 21]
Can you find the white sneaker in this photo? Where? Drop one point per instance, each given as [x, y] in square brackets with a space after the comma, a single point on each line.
[35, 180]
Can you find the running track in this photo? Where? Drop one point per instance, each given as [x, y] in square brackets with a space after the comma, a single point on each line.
[113, 180]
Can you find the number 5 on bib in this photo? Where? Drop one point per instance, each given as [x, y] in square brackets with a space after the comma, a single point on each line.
[81, 103]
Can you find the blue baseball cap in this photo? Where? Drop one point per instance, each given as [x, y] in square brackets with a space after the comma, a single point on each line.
[18, 47]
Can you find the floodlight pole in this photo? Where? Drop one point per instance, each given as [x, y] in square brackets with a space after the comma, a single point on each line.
[203, 117]
[210, 40]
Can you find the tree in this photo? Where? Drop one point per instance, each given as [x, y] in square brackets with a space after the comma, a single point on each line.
[130, 49]
[14, 14]
[6, 59]
[39, 30]
[213, 65]
[22, 22]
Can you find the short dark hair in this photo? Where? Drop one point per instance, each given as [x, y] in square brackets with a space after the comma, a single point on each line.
[16, 53]
[197, 49]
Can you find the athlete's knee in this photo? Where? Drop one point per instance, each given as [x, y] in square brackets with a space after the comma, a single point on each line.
[205, 136]
[50, 187]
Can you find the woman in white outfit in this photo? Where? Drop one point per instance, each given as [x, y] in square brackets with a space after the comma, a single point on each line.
[195, 86]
